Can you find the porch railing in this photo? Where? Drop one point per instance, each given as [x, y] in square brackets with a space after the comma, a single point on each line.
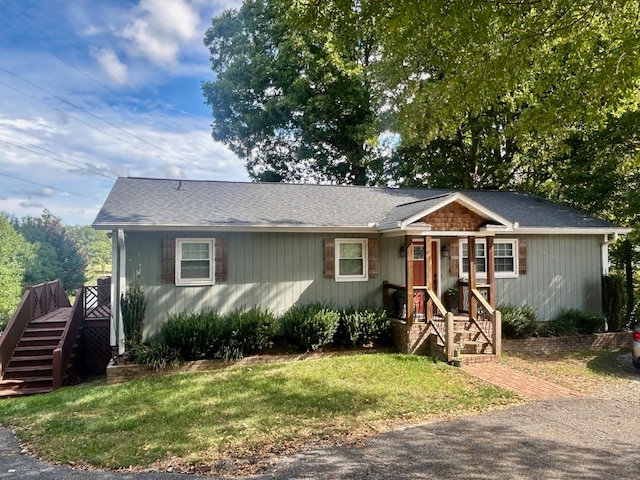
[62, 353]
[37, 300]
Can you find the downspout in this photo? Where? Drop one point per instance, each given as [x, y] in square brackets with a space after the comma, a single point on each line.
[122, 284]
[605, 252]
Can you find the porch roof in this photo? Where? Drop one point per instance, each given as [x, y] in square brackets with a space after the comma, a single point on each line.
[157, 204]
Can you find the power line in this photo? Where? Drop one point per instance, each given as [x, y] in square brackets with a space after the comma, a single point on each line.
[91, 77]
[77, 107]
[70, 163]
[44, 186]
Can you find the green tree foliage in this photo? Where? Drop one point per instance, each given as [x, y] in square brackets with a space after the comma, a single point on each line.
[96, 246]
[57, 254]
[15, 255]
[562, 64]
[293, 104]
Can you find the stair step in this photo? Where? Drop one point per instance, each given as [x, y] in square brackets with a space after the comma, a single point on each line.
[24, 358]
[33, 351]
[34, 324]
[11, 392]
[39, 342]
[42, 381]
[28, 372]
[42, 332]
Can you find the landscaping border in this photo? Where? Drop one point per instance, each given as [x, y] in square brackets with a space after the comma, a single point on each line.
[121, 372]
[596, 341]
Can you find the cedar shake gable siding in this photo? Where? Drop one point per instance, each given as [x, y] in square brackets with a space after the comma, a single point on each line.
[454, 217]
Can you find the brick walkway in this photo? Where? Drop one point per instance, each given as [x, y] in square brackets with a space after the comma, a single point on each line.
[526, 386]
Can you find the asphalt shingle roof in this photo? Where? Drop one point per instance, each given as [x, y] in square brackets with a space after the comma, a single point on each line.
[191, 203]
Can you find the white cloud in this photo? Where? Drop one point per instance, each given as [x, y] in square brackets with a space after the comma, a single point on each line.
[111, 64]
[159, 30]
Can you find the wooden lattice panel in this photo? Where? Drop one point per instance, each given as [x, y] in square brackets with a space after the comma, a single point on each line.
[96, 352]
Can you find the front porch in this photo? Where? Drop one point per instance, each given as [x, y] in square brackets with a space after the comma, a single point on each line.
[467, 326]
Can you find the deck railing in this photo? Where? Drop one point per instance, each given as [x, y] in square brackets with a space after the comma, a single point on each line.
[13, 331]
[62, 353]
[37, 300]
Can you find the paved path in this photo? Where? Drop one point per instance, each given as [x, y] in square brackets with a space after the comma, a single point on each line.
[524, 385]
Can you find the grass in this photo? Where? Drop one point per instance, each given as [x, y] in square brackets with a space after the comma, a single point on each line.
[587, 371]
[241, 412]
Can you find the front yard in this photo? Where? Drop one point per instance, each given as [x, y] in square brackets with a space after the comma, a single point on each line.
[239, 419]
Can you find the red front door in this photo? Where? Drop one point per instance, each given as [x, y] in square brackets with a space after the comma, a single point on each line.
[419, 255]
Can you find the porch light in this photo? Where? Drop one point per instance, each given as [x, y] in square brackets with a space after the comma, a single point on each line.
[403, 251]
[444, 251]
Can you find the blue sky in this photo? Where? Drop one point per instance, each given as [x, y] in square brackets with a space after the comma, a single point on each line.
[95, 89]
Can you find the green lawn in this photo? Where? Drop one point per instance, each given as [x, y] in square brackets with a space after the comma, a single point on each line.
[243, 411]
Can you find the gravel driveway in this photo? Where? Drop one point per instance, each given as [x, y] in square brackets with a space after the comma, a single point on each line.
[575, 438]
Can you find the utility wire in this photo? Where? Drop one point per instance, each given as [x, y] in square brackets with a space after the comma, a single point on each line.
[70, 163]
[73, 105]
[44, 186]
[88, 75]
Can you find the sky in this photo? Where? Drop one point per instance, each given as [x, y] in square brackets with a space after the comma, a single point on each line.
[91, 90]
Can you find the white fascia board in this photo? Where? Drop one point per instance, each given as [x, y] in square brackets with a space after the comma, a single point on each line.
[464, 201]
[286, 228]
[570, 231]
[433, 233]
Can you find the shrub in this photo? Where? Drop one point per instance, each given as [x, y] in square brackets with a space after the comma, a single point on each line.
[613, 301]
[246, 332]
[156, 355]
[518, 321]
[134, 306]
[573, 321]
[311, 326]
[362, 326]
[194, 335]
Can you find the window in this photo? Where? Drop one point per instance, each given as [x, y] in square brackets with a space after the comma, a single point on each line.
[418, 252]
[194, 261]
[351, 259]
[481, 258]
[505, 258]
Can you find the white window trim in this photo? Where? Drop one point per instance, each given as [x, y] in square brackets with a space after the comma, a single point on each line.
[365, 260]
[195, 281]
[514, 243]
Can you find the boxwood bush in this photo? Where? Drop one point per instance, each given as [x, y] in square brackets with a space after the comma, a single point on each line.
[518, 321]
[362, 326]
[194, 335]
[246, 332]
[311, 326]
[573, 321]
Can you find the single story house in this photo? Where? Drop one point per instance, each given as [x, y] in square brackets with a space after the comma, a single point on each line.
[229, 245]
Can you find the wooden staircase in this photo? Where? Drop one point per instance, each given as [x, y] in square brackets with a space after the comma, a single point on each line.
[30, 369]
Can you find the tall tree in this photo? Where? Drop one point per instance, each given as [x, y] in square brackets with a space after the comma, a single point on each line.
[95, 245]
[15, 255]
[290, 102]
[563, 64]
[57, 254]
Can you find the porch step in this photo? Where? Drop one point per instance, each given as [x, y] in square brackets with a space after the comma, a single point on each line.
[39, 342]
[16, 392]
[479, 358]
[42, 332]
[38, 323]
[42, 381]
[25, 372]
[36, 351]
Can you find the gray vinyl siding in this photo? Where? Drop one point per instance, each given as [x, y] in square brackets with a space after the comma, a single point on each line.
[278, 270]
[563, 271]
[271, 270]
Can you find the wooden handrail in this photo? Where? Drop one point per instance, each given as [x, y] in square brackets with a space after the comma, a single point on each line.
[62, 353]
[483, 301]
[13, 331]
[436, 301]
